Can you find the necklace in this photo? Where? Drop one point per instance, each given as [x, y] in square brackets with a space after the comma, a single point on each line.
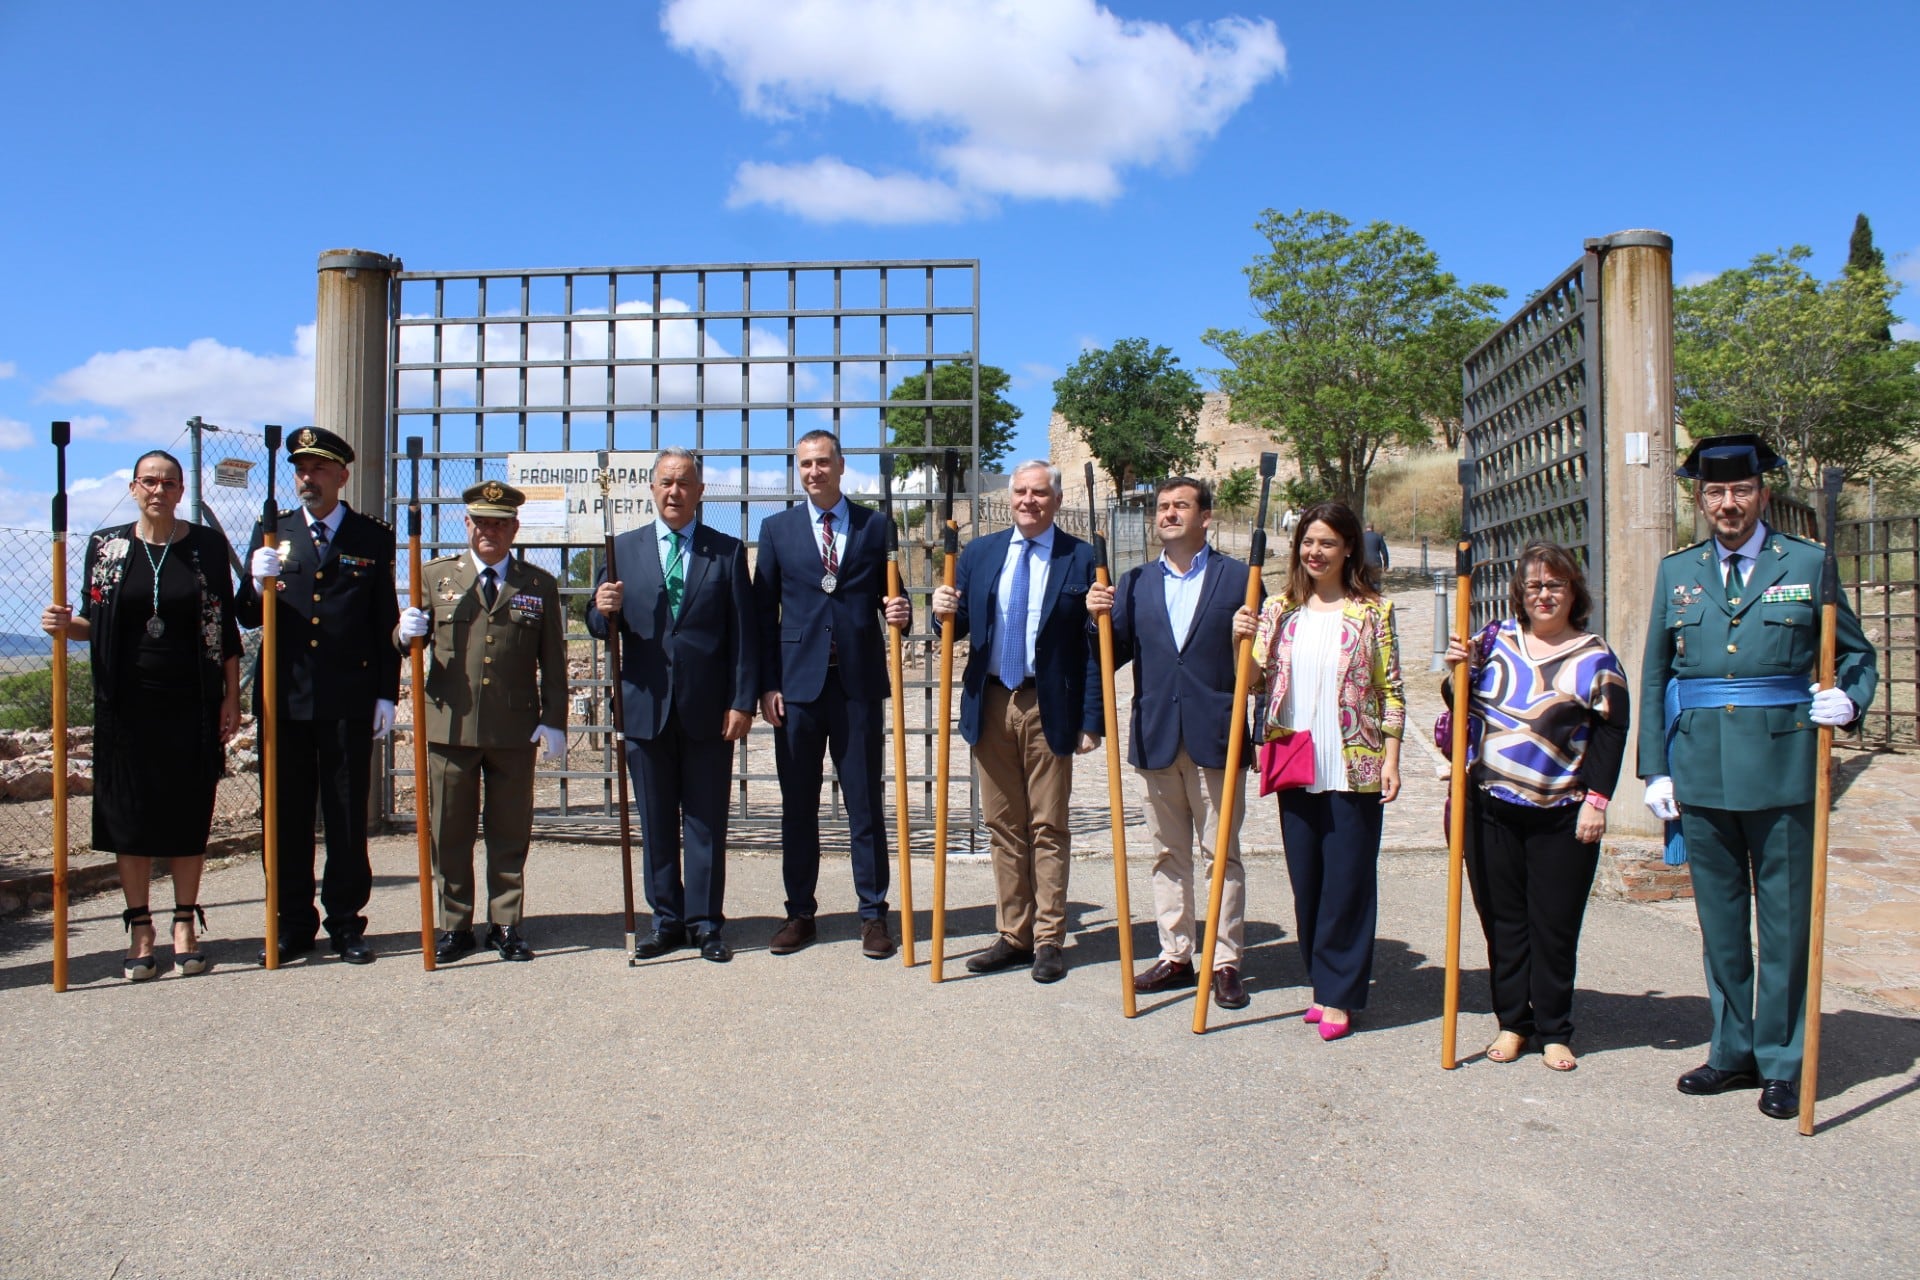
[155, 627]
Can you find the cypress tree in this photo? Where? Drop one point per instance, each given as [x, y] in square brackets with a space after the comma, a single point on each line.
[1863, 256]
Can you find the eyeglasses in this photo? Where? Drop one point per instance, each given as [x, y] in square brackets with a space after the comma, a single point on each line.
[1548, 588]
[151, 483]
[1717, 493]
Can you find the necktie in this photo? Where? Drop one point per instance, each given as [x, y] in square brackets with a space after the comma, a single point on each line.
[489, 587]
[1734, 579]
[1013, 641]
[676, 573]
[319, 529]
[829, 558]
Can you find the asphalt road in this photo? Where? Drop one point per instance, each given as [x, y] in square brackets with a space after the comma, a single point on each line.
[823, 1114]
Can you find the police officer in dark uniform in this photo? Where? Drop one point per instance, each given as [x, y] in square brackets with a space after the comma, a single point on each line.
[338, 679]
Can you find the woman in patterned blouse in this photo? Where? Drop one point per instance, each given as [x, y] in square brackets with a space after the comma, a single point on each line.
[1549, 731]
[1327, 652]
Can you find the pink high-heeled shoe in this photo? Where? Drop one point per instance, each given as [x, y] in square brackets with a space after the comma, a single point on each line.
[1335, 1030]
[1312, 1014]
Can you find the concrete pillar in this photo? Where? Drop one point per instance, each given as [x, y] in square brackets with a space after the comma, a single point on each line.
[1636, 352]
[350, 378]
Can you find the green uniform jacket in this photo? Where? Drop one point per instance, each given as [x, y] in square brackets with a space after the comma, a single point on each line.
[483, 689]
[1743, 758]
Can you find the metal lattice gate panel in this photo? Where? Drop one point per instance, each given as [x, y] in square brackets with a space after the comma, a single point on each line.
[733, 361]
[1533, 443]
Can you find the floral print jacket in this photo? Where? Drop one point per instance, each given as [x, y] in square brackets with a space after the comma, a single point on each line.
[1373, 700]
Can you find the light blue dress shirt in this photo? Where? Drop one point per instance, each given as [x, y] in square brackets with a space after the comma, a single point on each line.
[1183, 593]
[1036, 586]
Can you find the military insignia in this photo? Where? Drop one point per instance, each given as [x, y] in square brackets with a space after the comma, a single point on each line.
[492, 491]
[304, 438]
[1685, 595]
[447, 590]
[528, 604]
[355, 561]
[1788, 593]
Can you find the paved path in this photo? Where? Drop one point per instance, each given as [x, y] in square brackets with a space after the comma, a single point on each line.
[822, 1114]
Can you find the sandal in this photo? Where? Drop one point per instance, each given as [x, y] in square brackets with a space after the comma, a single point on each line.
[1558, 1058]
[189, 962]
[1506, 1047]
[138, 968]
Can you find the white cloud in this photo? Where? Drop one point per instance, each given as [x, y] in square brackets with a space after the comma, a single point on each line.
[1906, 331]
[1026, 99]
[156, 389]
[91, 503]
[8, 368]
[1693, 279]
[1906, 267]
[15, 434]
[830, 190]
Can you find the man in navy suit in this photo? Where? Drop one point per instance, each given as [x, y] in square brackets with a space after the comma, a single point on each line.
[1177, 620]
[688, 675]
[1031, 702]
[820, 581]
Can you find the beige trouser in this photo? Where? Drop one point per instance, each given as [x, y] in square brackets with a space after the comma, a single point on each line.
[1182, 798]
[1023, 797]
[454, 778]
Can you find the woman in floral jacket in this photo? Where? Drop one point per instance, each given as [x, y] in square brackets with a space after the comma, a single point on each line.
[157, 609]
[1327, 651]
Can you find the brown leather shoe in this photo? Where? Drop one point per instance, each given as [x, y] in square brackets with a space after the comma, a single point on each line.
[1166, 975]
[1001, 955]
[796, 934]
[875, 942]
[1227, 991]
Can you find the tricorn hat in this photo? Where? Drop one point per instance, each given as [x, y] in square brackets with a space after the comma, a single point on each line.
[1725, 459]
[493, 500]
[321, 443]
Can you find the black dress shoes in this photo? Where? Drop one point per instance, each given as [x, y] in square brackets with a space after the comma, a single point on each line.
[1049, 964]
[1707, 1079]
[1779, 1099]
[1001, 955]
[452, 944]
[713, 947]
[353, 948]
[289, 948]
[1228, 993]
[660, 942]
[508, 942]
[1166, 975]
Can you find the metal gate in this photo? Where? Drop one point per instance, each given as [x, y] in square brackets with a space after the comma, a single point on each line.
[734, 361]
[1532, 438]
[1880, 572]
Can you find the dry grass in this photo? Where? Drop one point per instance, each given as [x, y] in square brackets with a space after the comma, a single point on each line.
[1417, 494]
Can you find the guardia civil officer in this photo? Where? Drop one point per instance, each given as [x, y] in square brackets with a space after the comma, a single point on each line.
[338, 679]
[496, 689]
[1731, 650]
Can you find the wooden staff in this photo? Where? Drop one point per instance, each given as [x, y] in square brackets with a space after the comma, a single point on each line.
[417, 657]
[616, 704]
[896, 676]
[269, 677]
[1236, 746]
[950, 463]
[62, 434]
[1457, 814]
[1822, 805]
[1122, 908]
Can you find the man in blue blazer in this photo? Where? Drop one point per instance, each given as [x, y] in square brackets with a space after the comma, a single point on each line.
[688, 675]
[1031, 702]
[1175, 619]
[820, 580]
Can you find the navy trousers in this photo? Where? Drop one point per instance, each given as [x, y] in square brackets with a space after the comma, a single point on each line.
[851, 729]
[682, 787]
[1332, 840]
[324, 765]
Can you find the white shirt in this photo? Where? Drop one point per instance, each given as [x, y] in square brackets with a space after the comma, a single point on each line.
[664, 541]
[331, 521]
[841, 513]
[499, 569]
[1183, 594]
[1036, 586]
[1748, 551]
[1313, 695]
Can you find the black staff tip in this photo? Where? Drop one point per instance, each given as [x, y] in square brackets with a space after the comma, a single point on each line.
[1269, 463]
[886, 468]
[950, 463]
[1832, 480]
[413, 448]
[1466, 474]
[273, 436]
[62, 434]
[1089, 476]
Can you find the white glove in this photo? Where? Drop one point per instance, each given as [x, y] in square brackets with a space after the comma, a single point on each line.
[1831, 707]
[382, 718]
[553, 742]
[265, 563]
[414, 623]
[1660, 799]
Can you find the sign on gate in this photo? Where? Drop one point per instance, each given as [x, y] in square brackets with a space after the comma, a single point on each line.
[564, 506]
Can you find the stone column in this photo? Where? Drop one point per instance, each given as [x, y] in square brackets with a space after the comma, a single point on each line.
[1636, 351]
[350, 377]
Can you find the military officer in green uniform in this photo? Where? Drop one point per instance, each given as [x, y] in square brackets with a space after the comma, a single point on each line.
[496, 691]
[1731, 652]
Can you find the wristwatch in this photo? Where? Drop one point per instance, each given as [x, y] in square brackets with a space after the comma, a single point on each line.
[1597, 800]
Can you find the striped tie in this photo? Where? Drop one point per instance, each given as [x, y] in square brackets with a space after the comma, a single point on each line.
[676, 573]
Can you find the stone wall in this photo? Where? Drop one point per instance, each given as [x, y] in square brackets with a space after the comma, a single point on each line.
[1236, 444]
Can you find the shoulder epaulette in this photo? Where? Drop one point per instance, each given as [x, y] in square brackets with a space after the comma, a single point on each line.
[446, 559]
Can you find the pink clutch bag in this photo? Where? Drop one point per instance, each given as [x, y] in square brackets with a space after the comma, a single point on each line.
[1286, 763]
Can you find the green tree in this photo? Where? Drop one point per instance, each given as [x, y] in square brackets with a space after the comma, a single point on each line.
[1768, 348]
[1234, 494]
[1137, 410]
[580, 570]
[1862, 255]
[1362, 344]
[950, 426]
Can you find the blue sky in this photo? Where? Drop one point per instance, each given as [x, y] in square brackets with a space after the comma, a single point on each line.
[173, 171]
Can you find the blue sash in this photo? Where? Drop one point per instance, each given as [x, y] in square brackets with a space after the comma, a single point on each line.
[1749, 691]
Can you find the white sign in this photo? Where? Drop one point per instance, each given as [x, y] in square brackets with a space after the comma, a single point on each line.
[565, 505]
[231, 473]
[1637, 448]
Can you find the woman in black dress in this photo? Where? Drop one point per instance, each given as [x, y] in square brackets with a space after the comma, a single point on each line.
[157, 608]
